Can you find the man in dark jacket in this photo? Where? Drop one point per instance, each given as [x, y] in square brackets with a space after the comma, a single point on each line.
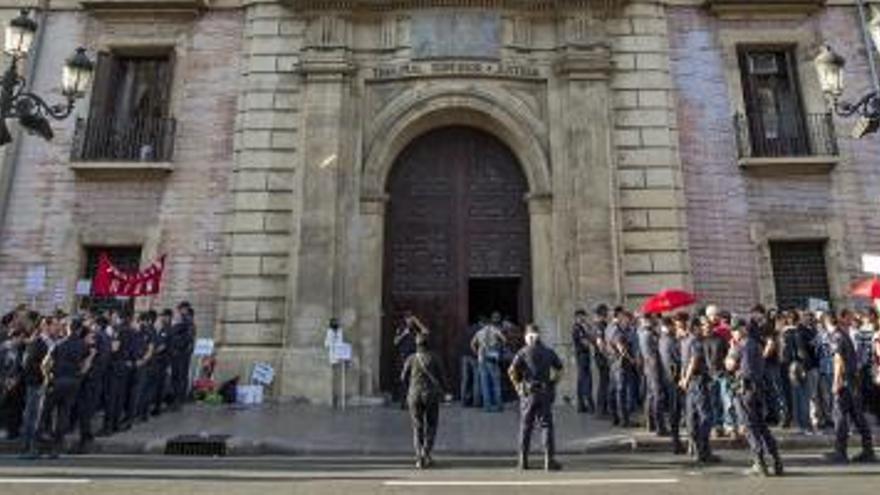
[423, 371]
[64, 366]
[12, 388]
[181, 342]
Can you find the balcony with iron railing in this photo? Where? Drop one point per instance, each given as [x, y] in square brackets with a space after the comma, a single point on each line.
[807, 143]
[133, 143]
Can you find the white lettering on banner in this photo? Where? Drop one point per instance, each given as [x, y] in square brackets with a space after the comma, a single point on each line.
[437, 69]
[871, 263]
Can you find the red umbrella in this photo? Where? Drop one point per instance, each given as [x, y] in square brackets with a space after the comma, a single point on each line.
[668, 300]
[868, 288]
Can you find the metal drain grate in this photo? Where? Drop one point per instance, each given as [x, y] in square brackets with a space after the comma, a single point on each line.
[197, 445]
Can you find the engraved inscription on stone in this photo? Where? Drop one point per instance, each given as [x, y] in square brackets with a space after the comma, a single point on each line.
[442, 34]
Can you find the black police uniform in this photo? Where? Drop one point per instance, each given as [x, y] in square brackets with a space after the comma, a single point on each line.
[426, 377]
[582, 342]
[847, 402]
[698, 406]
[91, 390]
[749, 388]
[159, 366]
[622, 369]
[181, 342]
[670, 367]
[139, 348]
[118, 376]
[62, 384]
[531, 369]
[12, 388]
[602, 369]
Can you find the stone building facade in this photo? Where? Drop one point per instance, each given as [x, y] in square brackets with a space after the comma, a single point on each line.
[329, 157]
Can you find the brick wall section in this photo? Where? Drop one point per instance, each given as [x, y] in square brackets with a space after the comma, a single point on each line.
[258, 230]
[654, 243]
[723, 202]
[722, 257]
[50, 204]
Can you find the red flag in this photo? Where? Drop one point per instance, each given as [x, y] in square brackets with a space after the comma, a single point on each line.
[110, 281]
[668, 300]
[868, 288]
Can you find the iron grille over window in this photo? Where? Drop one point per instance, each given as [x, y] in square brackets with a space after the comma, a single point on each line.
[129, 116]
[799, 272]
[774, 124]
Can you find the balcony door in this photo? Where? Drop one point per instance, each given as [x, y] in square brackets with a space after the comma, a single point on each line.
[772, 101]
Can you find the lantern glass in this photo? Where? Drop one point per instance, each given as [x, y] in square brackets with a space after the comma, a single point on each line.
[829, 68]
[76, 77]
[20, 35]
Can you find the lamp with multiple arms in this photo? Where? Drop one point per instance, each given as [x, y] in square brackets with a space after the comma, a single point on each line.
[17, 102]
[829, 67]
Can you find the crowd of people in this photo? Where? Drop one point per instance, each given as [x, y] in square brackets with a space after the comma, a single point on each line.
[707, 371]
[58, 372]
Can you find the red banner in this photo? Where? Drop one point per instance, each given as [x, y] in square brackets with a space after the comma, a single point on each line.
[110, 281]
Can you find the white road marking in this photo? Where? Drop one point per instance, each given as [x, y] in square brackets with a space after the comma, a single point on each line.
[570, 482]
[44, 481]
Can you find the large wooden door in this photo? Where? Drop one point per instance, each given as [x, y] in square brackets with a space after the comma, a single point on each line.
[457, 212]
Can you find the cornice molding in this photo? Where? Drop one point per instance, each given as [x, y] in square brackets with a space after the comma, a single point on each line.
[597, 6]
[117, 8]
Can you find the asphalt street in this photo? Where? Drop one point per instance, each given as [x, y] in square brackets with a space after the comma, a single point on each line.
[654, 474]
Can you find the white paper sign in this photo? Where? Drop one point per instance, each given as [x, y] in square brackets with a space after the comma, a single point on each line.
[814, 304]
[59, 294]
[83, 287]
[340, 352]
[871, 263]
[203, 347]
[36, 280]
[263, 374]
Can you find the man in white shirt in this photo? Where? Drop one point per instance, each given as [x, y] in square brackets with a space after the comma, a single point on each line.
[332, 338]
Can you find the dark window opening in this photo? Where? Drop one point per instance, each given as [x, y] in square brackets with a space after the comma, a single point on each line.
[126, 258]
[129, 117]
[774, 123]
[799, 272]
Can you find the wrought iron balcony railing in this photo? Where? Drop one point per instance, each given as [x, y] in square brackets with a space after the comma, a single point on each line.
[788, 137]
[129, 140]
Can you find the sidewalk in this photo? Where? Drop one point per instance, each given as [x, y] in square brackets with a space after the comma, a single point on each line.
[305, 430]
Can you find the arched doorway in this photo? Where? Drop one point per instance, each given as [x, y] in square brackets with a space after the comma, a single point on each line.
[457, 240]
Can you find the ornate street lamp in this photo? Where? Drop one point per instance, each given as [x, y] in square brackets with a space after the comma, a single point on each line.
[829, 67]
[30, 109]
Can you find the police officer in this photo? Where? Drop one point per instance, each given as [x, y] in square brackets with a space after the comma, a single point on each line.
[91, 389]
[695, 383]
[584, 344]
[600, 356]
[118, 373]
[649, 346]
[12, 389]
[181, 341]
[623, 366]
[423, 371]
[63, 368]
[746, 360]
[669, 350]
[160, 363]
[534, 372]
[846, 396]
[139, 354]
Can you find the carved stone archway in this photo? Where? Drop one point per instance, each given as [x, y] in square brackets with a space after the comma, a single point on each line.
[411, 115]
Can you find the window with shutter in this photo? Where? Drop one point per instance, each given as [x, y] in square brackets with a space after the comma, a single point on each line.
[772, 102]
[799, 272]
[129, 117]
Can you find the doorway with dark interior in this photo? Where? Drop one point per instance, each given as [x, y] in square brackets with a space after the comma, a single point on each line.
[502, 295]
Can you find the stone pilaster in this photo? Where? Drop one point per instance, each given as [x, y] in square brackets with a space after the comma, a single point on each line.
[316, 288]
[648, 172]
[260, 225]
